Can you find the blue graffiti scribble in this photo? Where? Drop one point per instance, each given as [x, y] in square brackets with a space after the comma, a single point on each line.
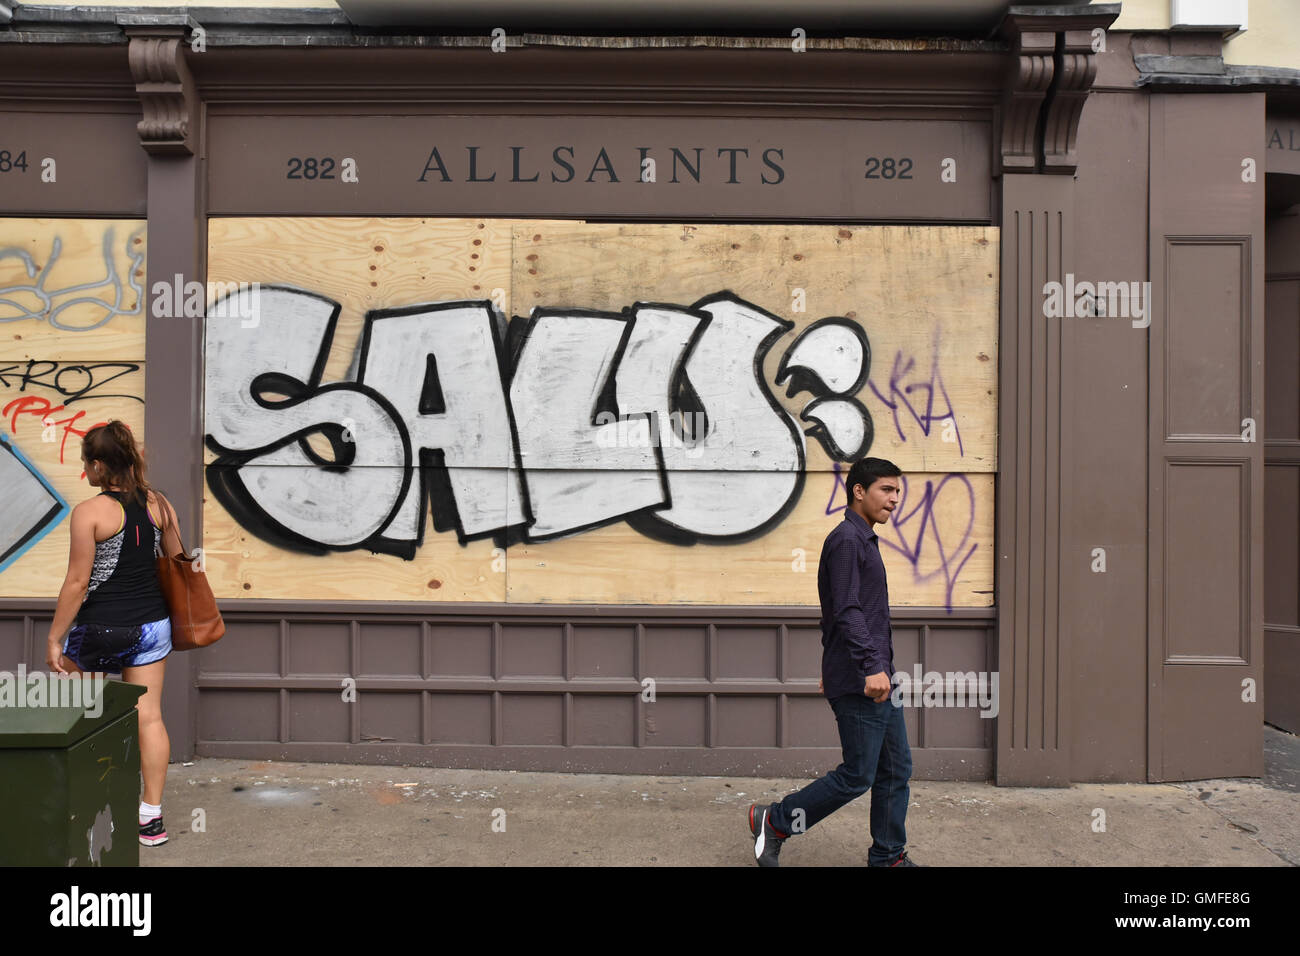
[49, 311]
[923, 411]
[911, 533]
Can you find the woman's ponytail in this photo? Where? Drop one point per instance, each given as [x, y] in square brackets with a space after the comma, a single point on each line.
[115, 448]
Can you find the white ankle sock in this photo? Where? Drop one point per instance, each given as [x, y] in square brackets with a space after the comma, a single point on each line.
[148, 811]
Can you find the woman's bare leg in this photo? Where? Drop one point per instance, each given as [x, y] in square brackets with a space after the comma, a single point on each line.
[155, 747]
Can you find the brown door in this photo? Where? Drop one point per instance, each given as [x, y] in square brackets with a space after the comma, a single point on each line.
[1205, 510]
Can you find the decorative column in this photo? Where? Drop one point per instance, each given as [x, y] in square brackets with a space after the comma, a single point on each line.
[1048, 79]
[170, 133]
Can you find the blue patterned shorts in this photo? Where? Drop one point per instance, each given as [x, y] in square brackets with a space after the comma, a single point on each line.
[100, 648]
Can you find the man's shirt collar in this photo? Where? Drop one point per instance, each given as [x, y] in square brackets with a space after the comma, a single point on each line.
[861, 524]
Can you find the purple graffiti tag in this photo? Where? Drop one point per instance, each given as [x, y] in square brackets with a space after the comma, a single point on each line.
[911, 532]
[922, 410]
[949, 561]
[831, 506]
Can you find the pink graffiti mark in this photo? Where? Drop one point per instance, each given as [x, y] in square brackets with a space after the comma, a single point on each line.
[922, 408]
[909, 528]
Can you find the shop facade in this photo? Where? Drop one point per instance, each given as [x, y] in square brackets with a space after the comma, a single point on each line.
[507, 382]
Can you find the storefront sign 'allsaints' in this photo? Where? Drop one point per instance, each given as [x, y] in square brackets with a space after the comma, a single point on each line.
[732, 165]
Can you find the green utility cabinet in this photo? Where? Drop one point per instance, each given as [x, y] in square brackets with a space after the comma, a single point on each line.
[70, 783]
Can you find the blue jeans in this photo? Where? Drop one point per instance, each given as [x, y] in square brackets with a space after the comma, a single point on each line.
[876, 758]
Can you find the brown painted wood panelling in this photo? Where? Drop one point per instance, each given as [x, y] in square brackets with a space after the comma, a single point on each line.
[1206, 559]
[1033, 652]
[94, 159]
[1104, 459]
[574, 166]
[1206, 375]
[78, 108]
[1205, 632]
[550, 688]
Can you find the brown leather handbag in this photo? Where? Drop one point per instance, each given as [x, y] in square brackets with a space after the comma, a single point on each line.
[196, 622]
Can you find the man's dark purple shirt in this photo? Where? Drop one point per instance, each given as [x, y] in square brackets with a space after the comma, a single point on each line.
[857, 640]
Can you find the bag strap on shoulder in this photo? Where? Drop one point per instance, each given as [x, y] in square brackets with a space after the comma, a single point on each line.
[165, 507]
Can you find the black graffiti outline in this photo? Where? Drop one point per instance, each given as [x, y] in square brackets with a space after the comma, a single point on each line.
[804, 379]
[657, 528]
[823, 435]
[223, 474]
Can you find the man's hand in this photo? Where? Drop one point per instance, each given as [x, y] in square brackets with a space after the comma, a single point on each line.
[878, 687]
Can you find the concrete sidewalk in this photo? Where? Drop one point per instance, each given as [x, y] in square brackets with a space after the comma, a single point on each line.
[294, 814]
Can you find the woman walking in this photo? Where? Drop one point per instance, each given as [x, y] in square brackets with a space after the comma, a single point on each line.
[111, 599]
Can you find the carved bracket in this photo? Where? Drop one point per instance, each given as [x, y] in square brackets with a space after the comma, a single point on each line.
[1052, 69]
[1022, 101]
[1076, 69]
[166, 89]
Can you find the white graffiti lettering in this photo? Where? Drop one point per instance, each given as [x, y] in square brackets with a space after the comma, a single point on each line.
[519, 432]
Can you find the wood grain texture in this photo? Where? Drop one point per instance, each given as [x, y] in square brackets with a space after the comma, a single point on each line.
[72, 289]
[239, 564]
[365, 264]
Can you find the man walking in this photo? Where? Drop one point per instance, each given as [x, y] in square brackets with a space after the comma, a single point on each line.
[857, 672]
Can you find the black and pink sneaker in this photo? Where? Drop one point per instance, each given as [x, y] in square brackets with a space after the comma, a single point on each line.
[153, 832]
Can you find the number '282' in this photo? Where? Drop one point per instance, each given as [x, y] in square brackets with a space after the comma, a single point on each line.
[889, 168]
[310, 168]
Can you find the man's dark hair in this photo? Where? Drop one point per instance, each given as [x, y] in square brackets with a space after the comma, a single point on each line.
[866, 470]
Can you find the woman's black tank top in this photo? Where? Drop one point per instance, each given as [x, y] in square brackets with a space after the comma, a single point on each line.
[124, 581]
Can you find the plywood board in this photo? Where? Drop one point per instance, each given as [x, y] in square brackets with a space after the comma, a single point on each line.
[45, 408]
[923, 302]
[72, 290]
